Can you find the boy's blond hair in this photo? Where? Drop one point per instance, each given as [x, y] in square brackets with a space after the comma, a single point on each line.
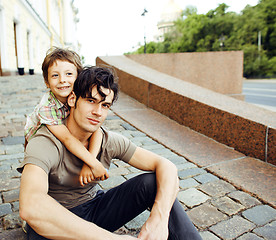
[54, 54]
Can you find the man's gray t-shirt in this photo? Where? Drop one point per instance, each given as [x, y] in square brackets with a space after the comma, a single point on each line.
[63, 168]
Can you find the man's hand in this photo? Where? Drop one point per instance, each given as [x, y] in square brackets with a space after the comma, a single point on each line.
[154, 230]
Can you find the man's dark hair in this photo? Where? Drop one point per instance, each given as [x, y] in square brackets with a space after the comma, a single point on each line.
[92, 76]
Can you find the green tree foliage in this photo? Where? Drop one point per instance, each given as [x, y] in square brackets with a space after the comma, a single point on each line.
[221, 30]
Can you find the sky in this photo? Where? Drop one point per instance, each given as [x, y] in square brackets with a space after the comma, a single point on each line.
[114, 27]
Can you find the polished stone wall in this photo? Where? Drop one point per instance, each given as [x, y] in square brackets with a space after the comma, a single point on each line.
[221, 72]
[247, 128]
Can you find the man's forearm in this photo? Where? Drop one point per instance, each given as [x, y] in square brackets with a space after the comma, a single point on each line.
[46, 216]
[167, 189]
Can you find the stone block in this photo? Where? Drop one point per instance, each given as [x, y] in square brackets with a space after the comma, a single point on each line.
[192, 197]
[184, 166]
[217, 188]
[127, 126]
[5, 209]
[118, 171]
[190, 172]
[177, 159]
[14, 234]
[188, 183]
[112, 182]
[205, 178]
[249, 236]
[9, 185]
[205, 216]
[226, 205]
[13, 140]
[206, 235]
[12, 221]
[153, 147]
[138, 222]
[244, 198]
[260, 215]
[15, 206]
[11, 196]
[232, 228]
[268, 231]
[132, 175]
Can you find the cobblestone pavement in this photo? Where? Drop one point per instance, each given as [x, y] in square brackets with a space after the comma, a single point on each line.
[217, 208]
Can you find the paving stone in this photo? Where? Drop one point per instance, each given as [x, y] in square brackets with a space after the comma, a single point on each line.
[177, 159]
[205, 178]
[120, 163]
[217, 188]
[244, 198]
[153, 147]
[163, 152]
[12, 221]
[268, 231]
[227, 205]
[13, 140]
[232, 228]
[132, 175]
[5, 168]
[128, 127]
[5, 208]
[205, 216]
[126, 134]
[249, 236]
[188, 183]
[9, 174]
[15, 206]
[208, 236]
[118, 171]
[14, 234]
[134, 170]
[137, 134]
[139, 221]
[184, 166]
[13, 149]
[9, 185]
[192, 197]
[260, 215]
[5, 157]
[11, 196]
[191, 172]
[112, 182]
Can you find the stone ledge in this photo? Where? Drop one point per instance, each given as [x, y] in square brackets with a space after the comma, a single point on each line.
[246, 128]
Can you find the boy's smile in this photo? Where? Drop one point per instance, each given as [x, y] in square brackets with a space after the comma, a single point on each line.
[61, 78]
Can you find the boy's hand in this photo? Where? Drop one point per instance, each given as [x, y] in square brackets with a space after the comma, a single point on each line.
[86, 175]
[99, 172]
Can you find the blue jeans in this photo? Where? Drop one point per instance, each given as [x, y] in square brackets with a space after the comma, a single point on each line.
[113, 209]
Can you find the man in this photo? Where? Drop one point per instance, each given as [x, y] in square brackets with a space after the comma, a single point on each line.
[56, 206]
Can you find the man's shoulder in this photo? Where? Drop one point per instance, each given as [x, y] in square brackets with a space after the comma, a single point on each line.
[117, 145]
[45, 135]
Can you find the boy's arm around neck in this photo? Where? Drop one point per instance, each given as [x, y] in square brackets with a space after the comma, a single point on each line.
[72, 144]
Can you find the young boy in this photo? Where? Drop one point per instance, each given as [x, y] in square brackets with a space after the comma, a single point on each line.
[60, 70]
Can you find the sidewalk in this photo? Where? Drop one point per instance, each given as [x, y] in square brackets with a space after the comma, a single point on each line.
[226, 194]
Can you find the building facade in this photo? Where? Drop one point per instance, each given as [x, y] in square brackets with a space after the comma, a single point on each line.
[171, 12]
[28, 28]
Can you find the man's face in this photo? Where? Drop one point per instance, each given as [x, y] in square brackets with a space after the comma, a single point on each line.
[90, 112]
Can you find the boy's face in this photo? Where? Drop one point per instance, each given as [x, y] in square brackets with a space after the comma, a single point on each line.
[61, 78]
